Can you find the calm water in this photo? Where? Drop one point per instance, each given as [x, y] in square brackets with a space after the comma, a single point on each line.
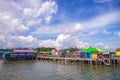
[39, 70]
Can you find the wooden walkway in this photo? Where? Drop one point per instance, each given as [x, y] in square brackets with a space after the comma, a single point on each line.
[91, 61]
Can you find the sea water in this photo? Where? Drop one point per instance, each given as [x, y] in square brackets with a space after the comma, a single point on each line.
[46, 70]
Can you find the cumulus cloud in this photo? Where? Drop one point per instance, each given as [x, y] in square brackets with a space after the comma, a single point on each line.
[75, 28]
[22, 20]
[64, 41]
[42, 12]
[21, 16]
[18, 18]
[48, 19]
[67, 41]
[10, 25]
[19, 41]
[34, 22]
[101, 45]
[49, 43]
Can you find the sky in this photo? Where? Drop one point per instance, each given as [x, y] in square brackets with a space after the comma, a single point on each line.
[60, 23]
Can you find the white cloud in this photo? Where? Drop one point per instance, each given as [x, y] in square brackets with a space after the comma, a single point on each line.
[47, 8]
[18, 18]
[48, 19]
[64, 41]
[103, 20]
[49, 43]
[24, 16]
[72, 28]
[34, 12]
[12, 9]
[118, 33]
[67, 41]
[18, 27]
[33, 22]
[101, 1]
[28, 11]
[77, 27]
[21, 41]
[34, 3]
[10, 25]
[16, 5]
[106, 32]
[101, 45]
[42, 12]
[62, 37]
[93, 33]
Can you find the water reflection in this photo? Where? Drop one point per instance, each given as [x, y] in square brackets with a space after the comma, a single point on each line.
[41, 70]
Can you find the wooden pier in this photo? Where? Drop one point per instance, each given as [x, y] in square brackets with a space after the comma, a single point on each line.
[91, 61]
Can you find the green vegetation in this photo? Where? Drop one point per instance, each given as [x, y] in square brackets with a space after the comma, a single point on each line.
[48, 49]
[72, 49]
[45, 49]
[9, 50]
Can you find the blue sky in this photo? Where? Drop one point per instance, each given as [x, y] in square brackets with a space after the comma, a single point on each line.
[60, 23]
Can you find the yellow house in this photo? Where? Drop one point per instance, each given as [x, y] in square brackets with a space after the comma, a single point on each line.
[94, 55]
[118, 52]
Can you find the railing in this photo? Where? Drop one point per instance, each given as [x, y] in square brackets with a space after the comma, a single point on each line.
[63, 56]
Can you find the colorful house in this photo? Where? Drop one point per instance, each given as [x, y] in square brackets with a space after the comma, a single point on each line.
[87, 54]
[118, 52]
[22, 54]
[44, 53]
[91, 55]
[4, 54]
[93, 52]
[94, 55]
[56, 51]
[30, 51]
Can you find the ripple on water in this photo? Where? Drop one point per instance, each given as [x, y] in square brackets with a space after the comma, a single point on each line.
[39, 70]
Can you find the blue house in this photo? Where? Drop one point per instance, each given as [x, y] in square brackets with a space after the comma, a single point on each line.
[89, 55]
[4, 54]
[86, 55]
